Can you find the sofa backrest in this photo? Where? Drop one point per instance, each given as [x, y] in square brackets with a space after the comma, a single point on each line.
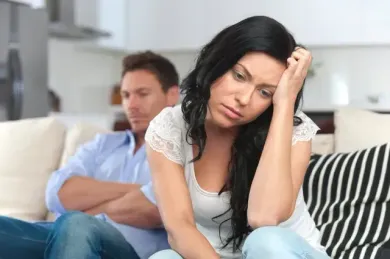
[30, 151]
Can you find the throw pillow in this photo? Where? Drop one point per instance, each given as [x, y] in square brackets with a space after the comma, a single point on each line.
[78, 135]
[30, 151]
[348, 196]
[359, 129]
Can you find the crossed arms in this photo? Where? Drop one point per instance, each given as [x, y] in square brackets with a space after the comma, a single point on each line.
[75, 187]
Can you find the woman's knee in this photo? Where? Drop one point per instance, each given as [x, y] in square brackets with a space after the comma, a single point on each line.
[166, 254]
[270, 241]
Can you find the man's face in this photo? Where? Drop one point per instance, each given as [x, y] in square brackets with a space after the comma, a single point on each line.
[143, 98]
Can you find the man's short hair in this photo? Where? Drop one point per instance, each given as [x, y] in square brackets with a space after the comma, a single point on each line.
[156, 64]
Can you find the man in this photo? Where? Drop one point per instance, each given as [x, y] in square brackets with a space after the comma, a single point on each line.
[103, 196]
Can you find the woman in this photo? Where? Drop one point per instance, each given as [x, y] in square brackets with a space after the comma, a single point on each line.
[228, 164]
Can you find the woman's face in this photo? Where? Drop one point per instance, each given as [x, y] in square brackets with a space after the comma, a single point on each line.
[245, 91]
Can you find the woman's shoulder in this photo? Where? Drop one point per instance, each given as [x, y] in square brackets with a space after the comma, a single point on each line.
[169, 116]
[164, 133]
[305, 130]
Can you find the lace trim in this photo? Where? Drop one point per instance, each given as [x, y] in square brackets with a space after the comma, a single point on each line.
[305, 131]
[164, 136]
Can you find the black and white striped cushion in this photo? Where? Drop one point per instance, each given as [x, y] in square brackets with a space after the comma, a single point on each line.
[348, 196]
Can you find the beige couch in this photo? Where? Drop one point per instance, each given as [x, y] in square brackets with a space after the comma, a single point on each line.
[30, 150]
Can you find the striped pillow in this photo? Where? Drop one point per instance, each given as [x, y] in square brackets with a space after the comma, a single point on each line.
[348, 196]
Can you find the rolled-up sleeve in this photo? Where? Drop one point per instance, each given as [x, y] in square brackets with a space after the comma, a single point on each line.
[147, 190]
[83, 163]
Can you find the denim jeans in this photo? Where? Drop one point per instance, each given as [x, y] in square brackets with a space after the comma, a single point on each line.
[267, 243]
[74, 235]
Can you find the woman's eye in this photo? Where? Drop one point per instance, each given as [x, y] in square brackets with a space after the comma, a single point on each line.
[265, 93]
[238, 76]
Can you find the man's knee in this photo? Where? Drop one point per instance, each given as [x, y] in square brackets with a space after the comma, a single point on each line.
[166, 254]
[76, 225]
[271, 241]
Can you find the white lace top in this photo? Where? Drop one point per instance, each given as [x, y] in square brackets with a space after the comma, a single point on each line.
[167, 134]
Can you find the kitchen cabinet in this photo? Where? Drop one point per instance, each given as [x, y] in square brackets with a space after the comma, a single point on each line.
[106, 15]
[165, 25]
[182, 25]
[112, 17]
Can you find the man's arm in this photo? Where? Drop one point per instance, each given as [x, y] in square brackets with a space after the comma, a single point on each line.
[136, 208]
[73, 187]
[83, 193]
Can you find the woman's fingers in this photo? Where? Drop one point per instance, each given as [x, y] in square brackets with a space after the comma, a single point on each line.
[303, 58]
[292, 64]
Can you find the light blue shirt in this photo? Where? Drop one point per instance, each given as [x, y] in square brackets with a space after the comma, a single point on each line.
[111, 157]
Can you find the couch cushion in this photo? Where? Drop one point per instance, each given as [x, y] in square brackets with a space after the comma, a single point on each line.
[358, 129]
[323, 144]
[347, 195]
[30, 151]
[77, 135]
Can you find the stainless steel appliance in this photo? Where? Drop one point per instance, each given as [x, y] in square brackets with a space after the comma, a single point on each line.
[23, 61]
[63, 24]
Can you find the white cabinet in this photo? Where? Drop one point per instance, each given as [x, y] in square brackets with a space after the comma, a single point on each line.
[335, 23]
[106, 15]
[112, 17]
[376, 22]
[182, 25]
[320, 23]
[165, 25]
[313, 23]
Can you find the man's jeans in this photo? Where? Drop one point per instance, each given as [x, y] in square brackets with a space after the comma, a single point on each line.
[74, 235]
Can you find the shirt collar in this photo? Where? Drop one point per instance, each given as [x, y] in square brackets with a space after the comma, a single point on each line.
[131, 141]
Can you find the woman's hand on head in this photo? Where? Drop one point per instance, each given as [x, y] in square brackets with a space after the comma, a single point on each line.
[293, 77]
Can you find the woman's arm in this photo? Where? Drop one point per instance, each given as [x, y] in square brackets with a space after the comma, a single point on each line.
[282, 167]
[175, 207]
[280, 173]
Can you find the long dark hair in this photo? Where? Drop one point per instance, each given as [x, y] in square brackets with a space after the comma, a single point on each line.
[258, 33]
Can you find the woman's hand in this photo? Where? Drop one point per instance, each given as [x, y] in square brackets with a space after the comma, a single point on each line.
[292, 79]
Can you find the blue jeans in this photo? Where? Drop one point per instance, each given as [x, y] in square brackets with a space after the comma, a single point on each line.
[267, 243]
[74, 235]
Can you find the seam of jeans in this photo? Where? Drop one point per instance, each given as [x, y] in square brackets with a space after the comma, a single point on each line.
[29, 239]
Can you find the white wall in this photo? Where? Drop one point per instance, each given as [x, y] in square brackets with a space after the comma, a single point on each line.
[348, 76]
[81, 78]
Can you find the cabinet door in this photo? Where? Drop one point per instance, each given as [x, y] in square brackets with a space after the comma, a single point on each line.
[112, 18]
[107, 16]
[85, 13]
[324, 23]
[182, 25]
[165, 25]
[329, 22]
[376, 22]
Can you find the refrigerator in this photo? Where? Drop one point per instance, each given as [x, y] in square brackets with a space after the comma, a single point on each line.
[23, 62]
